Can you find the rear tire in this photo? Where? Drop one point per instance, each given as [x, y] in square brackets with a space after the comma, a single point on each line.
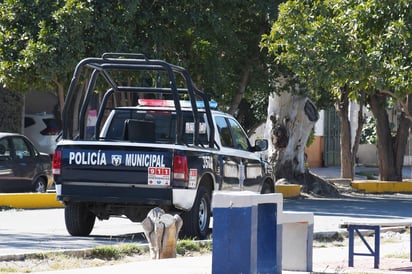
[79, 220]
[196, 221]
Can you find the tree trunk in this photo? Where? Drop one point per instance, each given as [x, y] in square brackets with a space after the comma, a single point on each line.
[401, 142]
[349, 144]
[239, 92]
[60, 94]
[347, 163]
[290, 122]
[390, 149]
[358, 133]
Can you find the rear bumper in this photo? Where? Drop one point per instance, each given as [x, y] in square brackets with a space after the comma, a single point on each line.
[153, 196]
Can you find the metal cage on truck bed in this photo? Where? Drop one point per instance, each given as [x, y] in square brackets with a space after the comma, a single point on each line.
[97, 81]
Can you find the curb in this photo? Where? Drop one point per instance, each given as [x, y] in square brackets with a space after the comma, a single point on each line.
[29, 200]
[370, 186]
[289, 191]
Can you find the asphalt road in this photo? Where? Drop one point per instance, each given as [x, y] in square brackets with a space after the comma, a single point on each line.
[359, 206]
[29, 231]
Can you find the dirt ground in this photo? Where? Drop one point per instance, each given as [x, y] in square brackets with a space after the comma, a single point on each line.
[394, 255]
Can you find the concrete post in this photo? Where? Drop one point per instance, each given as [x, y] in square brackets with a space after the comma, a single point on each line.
[297, 248]
[162, 231]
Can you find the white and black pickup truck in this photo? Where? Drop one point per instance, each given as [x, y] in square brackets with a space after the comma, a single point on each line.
[136, 135]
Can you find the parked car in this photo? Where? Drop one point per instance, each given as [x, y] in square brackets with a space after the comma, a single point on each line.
[22, 167]
[42, 129]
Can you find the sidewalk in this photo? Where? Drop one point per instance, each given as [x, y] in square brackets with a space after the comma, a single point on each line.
[327, 257]
[333, 172]
[325, 260]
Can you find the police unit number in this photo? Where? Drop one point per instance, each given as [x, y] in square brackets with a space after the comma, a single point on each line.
[207, 162]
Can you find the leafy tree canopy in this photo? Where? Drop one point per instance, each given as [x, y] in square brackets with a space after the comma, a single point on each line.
[42, 41]
[363, 45]
[351, 49]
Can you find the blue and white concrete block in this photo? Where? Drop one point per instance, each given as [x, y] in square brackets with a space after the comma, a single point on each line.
[247, 237]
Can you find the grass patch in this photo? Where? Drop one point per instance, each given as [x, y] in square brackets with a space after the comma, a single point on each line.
[333, 237]
[98, 256]
[106, 253]
[117, 252]
[184, 247]
[9, 270]
[327, 240]
[398, 255]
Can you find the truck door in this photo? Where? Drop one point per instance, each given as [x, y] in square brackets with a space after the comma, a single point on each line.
[240, 167]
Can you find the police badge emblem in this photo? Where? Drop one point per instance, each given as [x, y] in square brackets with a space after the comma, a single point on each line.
[116, 160]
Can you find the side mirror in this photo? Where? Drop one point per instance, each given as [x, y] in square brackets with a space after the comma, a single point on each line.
[261, 144]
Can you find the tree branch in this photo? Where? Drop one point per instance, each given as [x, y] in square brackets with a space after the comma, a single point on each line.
[240, 91]
[403, 103]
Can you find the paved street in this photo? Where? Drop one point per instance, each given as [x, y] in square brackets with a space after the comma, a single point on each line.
[25, 231]
[368, 206]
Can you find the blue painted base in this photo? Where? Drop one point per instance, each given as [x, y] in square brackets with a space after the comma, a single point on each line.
[247, 240]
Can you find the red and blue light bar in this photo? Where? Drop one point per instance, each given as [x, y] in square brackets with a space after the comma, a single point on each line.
[170, 103]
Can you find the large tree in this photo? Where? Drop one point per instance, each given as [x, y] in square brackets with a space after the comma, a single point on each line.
[41, 42]
[348, 49]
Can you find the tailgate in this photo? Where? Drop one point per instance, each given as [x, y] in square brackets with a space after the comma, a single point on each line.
[116, 166]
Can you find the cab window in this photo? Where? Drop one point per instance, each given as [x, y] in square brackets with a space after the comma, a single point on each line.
[224, 132]
[239, 136]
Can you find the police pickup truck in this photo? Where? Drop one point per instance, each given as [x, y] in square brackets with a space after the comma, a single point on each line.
[137, 134]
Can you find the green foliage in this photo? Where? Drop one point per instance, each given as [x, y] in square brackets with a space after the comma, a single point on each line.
[369, 135]
[311, 138]
[363, 45]
[217, 41]
[40, 41]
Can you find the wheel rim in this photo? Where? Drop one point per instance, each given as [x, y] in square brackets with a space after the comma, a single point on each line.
[40, 187]
[203, 214]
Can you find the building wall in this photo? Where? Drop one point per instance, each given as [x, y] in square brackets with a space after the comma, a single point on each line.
[40, 101]
[314, 153]
[367, 155]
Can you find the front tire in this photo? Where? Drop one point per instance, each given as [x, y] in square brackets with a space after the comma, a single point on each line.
[40, 185]
[267, 188]
[79, 220]
[196, 221]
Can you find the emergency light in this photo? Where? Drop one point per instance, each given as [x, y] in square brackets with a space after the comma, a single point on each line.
[170, 103]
